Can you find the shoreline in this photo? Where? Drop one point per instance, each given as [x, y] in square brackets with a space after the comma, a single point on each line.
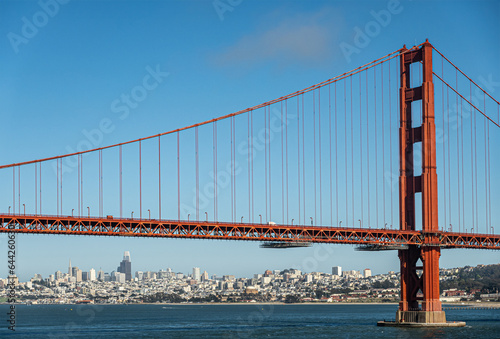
[452, 304]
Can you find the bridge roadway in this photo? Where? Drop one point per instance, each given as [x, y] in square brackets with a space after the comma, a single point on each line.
[132, 227]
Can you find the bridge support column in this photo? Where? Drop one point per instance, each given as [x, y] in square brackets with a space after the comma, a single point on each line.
[420, 302]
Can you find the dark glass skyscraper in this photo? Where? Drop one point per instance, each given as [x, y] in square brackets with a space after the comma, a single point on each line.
[126, 266]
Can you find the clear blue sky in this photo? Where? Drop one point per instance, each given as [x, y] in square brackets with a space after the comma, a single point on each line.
[63, 77]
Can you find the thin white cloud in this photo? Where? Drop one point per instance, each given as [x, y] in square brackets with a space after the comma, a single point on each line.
[305, 39]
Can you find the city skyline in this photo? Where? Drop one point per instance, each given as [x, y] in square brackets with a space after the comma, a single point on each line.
[73, 93]
[196, 273]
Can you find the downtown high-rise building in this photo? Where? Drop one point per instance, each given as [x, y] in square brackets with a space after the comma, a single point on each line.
[337, 270]
[126, 266]
[92, 276]
[204, 276]
[76, 273]
[100, 275]
[196, 273]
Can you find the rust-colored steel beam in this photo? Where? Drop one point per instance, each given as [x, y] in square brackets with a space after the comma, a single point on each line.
[31, 224]
[430, 255]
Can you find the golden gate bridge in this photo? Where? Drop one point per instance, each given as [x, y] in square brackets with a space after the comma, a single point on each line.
[354, 159]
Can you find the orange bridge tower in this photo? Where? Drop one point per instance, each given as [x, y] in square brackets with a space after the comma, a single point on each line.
[419, 264]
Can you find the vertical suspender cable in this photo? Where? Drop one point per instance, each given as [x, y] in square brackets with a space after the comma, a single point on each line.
[476, 171]
[216, 176]
[120, 160]
[100, 183]
[232, 172]
[345, 155]
[178, 180]
[159, 178]
[376, 137]
[336, 160]
[303, 162]
[486, 164]
[472, 157]
[13, 190]
[81, 177]
[248, 169]
[463, 167]
[352, 158]
[314, 151]
[390, 144]
[286, 157]
[489, 180]
[319, 158]
[140, 179]
[383, 138]
[269, 162]
[197, 173]
[214, 161]
[79, 185]
[57, 188]
[251, 159]
[36, 186]
[361, 149]
[61, 183]
[330, 151]
[40, 169]
[444, 147]
[266, 139]
[282, 167]
[368, 148]
[449, 151]
[298, 157]
[234, 165]
[458, 160]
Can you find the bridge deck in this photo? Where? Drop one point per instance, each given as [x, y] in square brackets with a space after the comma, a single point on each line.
[44, 224]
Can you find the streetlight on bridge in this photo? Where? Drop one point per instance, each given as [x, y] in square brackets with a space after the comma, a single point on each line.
[149, 211]
[132, 215]
[260, 215]
[312, 221]
[24, 208]
[206, 216]
[340, 223]
[88, 209]
[9, 209]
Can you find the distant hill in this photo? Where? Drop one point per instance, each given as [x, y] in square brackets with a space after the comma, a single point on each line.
[483, 277]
